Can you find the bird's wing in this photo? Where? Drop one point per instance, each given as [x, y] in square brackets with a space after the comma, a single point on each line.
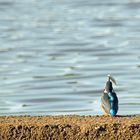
[115, 101]
[105, 102]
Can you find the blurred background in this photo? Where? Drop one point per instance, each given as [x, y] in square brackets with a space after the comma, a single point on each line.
[55, 55]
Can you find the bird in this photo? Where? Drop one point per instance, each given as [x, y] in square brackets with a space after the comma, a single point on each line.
[109, 99]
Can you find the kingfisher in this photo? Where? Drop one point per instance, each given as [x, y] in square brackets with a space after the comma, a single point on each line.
[109, 99]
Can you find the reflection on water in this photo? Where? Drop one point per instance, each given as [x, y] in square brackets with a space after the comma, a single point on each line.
[55, 55]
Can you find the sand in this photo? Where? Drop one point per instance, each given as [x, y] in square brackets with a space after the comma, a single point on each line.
[69, 128]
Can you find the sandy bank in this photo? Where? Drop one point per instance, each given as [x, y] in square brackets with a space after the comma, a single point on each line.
[69, 128]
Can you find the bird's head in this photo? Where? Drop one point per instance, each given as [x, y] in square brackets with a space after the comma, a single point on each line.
[109, 86]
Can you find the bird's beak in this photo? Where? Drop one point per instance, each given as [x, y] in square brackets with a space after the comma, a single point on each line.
[112, 79]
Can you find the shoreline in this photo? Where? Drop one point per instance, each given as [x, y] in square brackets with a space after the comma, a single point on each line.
[71, 127]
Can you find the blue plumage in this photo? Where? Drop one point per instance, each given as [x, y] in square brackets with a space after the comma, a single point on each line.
[113, 106]
[109, 99]
[112, 112]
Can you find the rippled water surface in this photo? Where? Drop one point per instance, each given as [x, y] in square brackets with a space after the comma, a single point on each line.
[55, 55]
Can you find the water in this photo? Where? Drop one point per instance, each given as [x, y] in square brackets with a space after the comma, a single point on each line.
[55, 55]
